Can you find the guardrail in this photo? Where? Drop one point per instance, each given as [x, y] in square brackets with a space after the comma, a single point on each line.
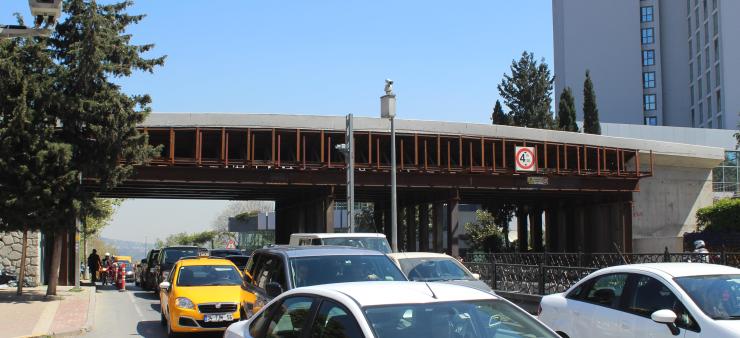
[547, 273]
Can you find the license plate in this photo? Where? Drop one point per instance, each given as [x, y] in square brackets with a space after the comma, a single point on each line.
[219, 317]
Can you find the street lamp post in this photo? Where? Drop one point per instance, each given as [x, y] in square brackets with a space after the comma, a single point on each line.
[388, 110]
[348, 150]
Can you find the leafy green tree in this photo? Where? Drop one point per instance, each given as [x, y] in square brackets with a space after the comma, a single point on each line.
[591, 123]
[723, 215]
[527, 92]
[498, 116]
[35, 173]
[567, 111]
[484, 234]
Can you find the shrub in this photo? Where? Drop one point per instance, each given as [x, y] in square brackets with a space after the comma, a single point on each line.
[724, 215]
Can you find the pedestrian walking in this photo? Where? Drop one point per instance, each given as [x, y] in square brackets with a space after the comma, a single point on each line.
[94, 263]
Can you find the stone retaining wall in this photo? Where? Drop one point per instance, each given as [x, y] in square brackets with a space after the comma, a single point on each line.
[11, 244]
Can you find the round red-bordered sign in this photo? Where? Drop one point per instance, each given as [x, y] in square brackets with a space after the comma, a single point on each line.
[525, 165]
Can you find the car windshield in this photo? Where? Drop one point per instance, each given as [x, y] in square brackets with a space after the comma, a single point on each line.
[717, 295]
[171, 256]
[372, 243]
[208, 275]
[307, 271]
[433, 269]
[470, 319]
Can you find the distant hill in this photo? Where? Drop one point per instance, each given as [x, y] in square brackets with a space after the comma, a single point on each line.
[129, 248]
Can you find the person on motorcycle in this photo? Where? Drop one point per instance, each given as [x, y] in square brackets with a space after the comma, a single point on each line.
[107, 264]
[700, 248]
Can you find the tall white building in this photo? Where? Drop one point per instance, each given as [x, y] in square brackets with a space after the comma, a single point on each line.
[655, 62]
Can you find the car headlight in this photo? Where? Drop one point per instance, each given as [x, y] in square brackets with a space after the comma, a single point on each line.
[184, 303]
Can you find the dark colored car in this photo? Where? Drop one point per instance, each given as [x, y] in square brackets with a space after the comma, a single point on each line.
[272, 270]
[168, 257]
[239, 260]
[225, 252]
[147, 270]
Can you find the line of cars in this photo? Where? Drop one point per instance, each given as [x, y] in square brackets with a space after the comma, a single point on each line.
[307, 290]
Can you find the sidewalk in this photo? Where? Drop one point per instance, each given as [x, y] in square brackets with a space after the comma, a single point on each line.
[33, 314]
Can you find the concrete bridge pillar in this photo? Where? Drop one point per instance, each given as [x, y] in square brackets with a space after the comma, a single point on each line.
[411, 227]
[552, 228]
[454, 228]
[521, 228]
[424, 227]
[438, 221]
[535, 216]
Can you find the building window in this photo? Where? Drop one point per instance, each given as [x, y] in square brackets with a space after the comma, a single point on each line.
[704, 4]
[646, 14]
[696, 18]
[699, 88]
[691, 72]
[709, 108]
[716, 49]
[692, 95]
[648, 80]
[715, 23]
[708, 78]
[691, 49]
[649, 102]
[698, 65]
[651, 121]
[716, 75]
[698, 43]
[693, 118]
[720, 122]
[647, 36]
[724, 177]
[689, 27]
[701, 112]
[719, 101]
[688, 7]
[714, 4]
[648, 57]
[709, 123]
[706, 31]
[707, 58]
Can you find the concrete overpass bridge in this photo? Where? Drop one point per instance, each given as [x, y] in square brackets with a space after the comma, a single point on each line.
[579, 198]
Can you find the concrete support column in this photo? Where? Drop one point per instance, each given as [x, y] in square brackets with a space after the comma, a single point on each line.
[437, 224]
[521, 228]
[424, 227]
[411, 227]
[580, 225]
[535, 216]
[329, 205]
[453, 226]
[552, 227]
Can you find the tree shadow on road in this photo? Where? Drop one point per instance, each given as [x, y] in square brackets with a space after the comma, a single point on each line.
[150, 328]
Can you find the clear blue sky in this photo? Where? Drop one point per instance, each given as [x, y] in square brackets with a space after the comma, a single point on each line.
[326, 58]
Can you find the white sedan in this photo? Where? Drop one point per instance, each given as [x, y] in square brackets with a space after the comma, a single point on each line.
[390, 309]
[649, 300]
[435, 267]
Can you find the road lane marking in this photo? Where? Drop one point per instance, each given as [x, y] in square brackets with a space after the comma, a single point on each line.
[131, 297]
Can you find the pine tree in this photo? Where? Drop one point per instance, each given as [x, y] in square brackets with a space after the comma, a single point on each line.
[567, 111]
[35, 175]
[591, 123]
[498, 116]
[527, 92]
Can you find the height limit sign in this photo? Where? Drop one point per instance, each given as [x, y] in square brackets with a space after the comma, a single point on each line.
[525, 159]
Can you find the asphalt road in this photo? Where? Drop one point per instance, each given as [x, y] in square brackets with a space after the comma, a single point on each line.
[133, 313]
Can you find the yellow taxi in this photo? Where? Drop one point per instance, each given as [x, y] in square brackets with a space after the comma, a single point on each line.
[200, 294]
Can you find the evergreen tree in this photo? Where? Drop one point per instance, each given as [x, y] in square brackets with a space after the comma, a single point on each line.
[567, 111]
[34, 169]
[591, 123]
[527, 92]
[498, 116]
[97, 120]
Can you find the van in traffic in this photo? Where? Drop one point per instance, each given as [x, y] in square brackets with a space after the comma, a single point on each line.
[371, 241]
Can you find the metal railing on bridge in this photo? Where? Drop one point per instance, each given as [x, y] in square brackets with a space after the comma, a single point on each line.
[547, 273]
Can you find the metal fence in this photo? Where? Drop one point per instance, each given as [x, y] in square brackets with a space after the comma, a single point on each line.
[547, 273]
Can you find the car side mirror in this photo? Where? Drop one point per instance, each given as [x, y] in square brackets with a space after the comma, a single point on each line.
[165, 286]
[667, 317]
[273, 289]
[476, 275]
[248, 277]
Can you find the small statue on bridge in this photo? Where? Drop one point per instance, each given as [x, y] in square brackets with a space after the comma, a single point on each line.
[388, 87]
